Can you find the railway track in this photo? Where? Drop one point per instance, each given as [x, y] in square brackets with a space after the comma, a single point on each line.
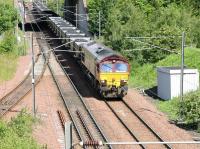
[20, 91]
[83, 121]
[135, 125]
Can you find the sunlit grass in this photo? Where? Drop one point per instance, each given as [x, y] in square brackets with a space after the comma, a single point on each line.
[146, 76]
[8, 66]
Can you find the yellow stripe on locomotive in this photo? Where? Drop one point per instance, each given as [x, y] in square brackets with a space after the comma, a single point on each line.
[114, 79]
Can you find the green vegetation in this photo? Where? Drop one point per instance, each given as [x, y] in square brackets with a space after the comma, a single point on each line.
[8, 17]
[10, 49]
[8, 65]
[171, 108]
[189, 109]
[54, 4]
[145, 76]
[152, 18]
[124, 18]
[16, 134]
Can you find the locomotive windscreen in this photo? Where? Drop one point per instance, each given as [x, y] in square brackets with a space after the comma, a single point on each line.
[114, 67]
[121, 67]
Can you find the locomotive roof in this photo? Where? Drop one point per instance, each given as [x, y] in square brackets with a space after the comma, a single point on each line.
[68, 27]
[80, 41]
[75, 35]
[86, 39]
[99, 51]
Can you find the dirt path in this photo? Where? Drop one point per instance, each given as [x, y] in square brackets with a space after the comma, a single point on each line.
[23, 67]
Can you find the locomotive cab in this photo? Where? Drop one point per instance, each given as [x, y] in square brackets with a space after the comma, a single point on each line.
[113, 78]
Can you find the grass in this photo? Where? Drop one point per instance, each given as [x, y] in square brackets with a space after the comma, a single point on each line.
[17, 134]
[145, 76]
[8, 60]
[8, 66]
[170, 107]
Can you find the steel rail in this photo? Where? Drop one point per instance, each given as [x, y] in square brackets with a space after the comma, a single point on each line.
[148, 126]
[12, 98]
[87, 108]
[53, 76]
[80, 98]
[130, 132]
[85, 126]
[62, 119]
[141, 120]
[58, 86]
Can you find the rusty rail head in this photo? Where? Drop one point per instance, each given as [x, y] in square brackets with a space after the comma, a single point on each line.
[62, 118]
[84, 124]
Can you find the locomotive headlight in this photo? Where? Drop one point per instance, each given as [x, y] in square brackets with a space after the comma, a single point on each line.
[103, 82]
[123, 82]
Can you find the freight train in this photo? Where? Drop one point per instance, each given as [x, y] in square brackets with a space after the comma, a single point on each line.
[106, 69]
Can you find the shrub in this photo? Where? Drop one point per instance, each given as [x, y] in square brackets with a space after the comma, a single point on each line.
[8, 17]
[17, 133]
[190, 107]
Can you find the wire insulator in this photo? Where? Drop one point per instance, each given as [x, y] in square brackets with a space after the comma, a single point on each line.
[91, 143]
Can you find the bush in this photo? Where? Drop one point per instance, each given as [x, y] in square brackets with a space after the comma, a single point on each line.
[52, 4]
[122, 18]
[190, 108]
[8, 17]
[8, 44]
[17, 133]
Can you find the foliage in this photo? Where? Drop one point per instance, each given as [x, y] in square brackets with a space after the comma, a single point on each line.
[190, 108]
[196, 32]
[124, 18]
[8, 68]
[145, 76]
[10, 50]
[53, 4]
[8, 43]
[96, 6]
[17, 133]
[9, 47]
[8, 17]
[170, 107]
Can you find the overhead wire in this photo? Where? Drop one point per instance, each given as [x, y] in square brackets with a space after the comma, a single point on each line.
[154, 46]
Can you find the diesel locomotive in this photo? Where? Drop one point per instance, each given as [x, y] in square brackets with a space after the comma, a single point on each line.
[106, 69]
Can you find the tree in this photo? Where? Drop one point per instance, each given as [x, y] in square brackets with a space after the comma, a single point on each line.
[122, 18]
[96, 6]
[8, 17]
